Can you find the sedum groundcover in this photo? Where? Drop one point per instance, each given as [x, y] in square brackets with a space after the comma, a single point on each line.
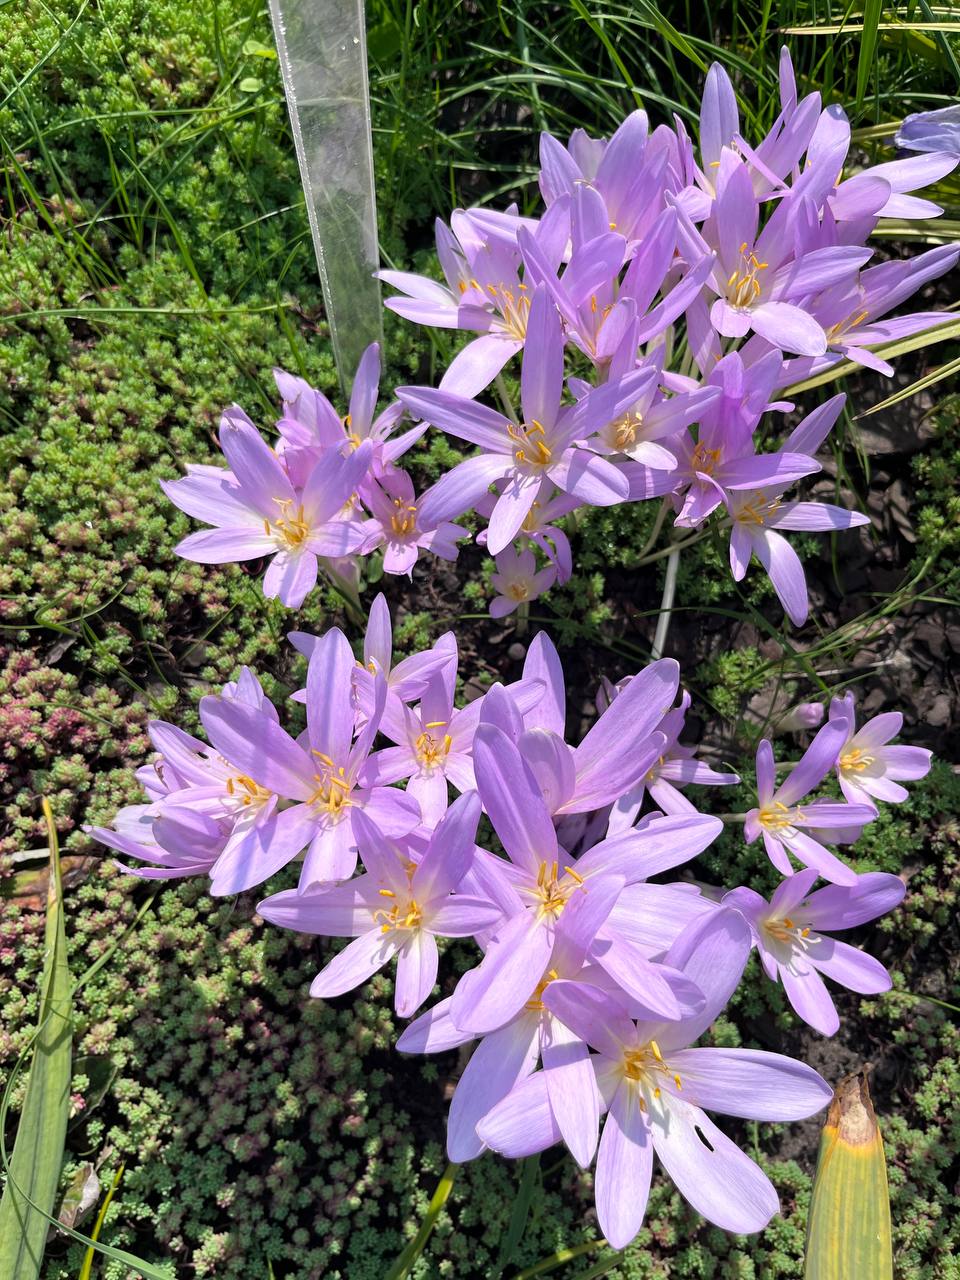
[155, 267]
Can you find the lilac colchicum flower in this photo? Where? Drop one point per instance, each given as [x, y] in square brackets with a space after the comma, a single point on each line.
[175, 842]
[544, 880]
[406, 680]
[936, 131]
[758, 516]
[788, 827]
[675, 767]
[868, 768]
[396, 526]
[790, 934]
[655, 1090]
[322, 777]
[258, 512]
[523, 455]
[395, 909]
[805, 715]
[518, 581]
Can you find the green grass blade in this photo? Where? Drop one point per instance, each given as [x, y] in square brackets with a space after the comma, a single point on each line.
[401, 1268]
[868, 46]
[922, 384]
[34, 1170]
[848, 1232]
[529, 1177]
[89, 1256]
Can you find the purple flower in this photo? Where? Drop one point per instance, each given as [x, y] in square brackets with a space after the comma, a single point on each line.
[854, 313]
[539, 528]
[517, 581]
[511, 1052]
[258, 512]
[310, 425]
[937, 131]
[544, 879]
[869, 769]
[760, 282]
[189, 777]
[786, 826]
[775, 156]
[484, 293]
[757, 516]
[525, 455]
[805, 715]
[175, 841]
[406, 680]
[655, 1091]
[320, 774]
[673, 768]
[405, 899]
[789, 934]
[396, 526]
[626, 171]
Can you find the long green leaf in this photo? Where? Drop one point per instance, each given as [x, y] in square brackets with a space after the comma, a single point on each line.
[34, 1170]
[848, 1232]
[529, 1176]
[28, 1198]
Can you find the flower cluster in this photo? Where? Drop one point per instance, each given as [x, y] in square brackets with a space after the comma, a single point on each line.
[329, 492]
[592, 981]
[695, 286]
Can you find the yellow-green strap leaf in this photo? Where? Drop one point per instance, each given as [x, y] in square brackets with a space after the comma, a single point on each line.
[848, 1231]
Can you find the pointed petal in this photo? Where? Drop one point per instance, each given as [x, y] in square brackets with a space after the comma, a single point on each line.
[358, 961]
[710, 1171]
[624, 1168]
[750, 1083]
[499, 1062]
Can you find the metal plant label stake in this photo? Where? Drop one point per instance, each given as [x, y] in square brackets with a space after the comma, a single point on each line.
[322, 49]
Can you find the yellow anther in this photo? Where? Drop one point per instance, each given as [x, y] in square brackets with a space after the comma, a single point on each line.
[575, 874]
[530, 519]
[705, 459]
[622, 432]
[432, 751]
[325, 759]
[386, 893]
[856, 760]
[435, 724]
[676, 1081]
[777, 817]
[535, 1002]
[290, 529]
[402, 915]
[743, 287]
